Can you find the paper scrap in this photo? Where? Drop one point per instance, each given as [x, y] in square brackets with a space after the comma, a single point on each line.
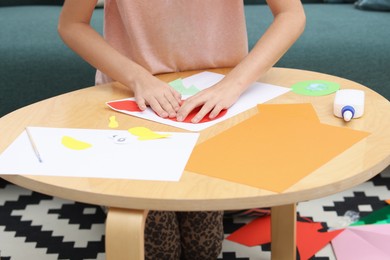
[309, 237]
[124, 105]
[74, 144]
[380, 216]
[113, 123]
[144, 133]
[363, 242]
[178, 85]
[315, 87]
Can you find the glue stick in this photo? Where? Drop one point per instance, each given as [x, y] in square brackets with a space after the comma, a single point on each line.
[349, 104]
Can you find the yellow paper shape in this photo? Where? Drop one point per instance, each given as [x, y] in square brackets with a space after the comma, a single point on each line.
[113, 123]
[144, 133]
[273, 149]
[74, 144]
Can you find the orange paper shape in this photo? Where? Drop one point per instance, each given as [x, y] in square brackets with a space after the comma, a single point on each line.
[309, 239]
[273, 149]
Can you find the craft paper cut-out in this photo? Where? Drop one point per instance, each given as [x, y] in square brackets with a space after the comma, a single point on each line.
[113, 123]
[205, 119]
[125, 105]
[380, 216]
[178, 85]
[144, 133]
[74, 144]
[273, 149]
[255, 94]
[315, 87]
[135, 160]
[309, 238]
[363, 242]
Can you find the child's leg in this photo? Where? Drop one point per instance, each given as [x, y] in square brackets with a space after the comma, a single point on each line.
[162, 237]
[201, 234]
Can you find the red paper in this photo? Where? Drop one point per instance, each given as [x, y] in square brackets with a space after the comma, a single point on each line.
[309, 239]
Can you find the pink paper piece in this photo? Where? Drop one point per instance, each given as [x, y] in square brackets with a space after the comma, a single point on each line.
[363, 242]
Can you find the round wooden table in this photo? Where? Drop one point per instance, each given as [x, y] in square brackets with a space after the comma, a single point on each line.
[130, 200]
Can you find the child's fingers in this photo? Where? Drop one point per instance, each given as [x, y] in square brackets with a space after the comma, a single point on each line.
[177, 96]
[141, 103]
[206, 108]
[174, 103]
[157, 107]
[166, 104]
[216, 110]
[187, 106]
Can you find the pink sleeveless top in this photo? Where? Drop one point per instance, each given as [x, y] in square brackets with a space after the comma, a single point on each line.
[176, 35]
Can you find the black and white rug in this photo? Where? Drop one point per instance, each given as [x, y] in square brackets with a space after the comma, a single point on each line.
[36, 226]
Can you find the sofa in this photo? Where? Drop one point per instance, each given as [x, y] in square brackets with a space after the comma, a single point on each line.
[339, 39]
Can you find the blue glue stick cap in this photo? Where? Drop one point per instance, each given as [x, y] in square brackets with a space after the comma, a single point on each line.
[348, 112]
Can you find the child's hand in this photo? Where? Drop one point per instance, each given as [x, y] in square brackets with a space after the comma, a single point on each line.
[213, 100]
[162, 98]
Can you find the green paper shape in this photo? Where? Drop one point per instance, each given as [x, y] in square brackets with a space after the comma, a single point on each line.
[381, 216]
[178, 85]
[315, 87]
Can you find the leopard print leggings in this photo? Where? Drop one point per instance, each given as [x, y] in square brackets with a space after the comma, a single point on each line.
[183, 235]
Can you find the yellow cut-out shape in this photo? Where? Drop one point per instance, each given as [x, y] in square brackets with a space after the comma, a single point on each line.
[113, 123]
[144, 133]
[74, 144]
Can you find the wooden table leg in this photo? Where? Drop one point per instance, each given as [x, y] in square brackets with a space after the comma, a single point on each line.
[283, 232]
[125, 234]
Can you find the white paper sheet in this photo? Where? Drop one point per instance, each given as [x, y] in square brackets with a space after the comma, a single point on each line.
[257, 93]
[160, 159]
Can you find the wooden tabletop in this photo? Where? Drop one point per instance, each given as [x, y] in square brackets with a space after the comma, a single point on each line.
[86, 108]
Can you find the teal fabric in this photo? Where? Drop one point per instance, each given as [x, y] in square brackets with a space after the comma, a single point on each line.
[339, 39]
[34, 62]
[255, 2]
[375, 5]
[30, 2]
[339, 1]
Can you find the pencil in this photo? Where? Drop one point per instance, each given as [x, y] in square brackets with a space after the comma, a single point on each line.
[33, 145]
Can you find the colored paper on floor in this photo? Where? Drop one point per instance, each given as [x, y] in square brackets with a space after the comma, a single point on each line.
[273, 149]
[309, 239]
[380, 216]
[256, 93]
[363, 242]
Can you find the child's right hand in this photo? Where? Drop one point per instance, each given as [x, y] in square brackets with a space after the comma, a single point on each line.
[162, 98]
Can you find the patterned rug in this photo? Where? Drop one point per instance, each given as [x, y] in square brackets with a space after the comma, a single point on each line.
[36, 226]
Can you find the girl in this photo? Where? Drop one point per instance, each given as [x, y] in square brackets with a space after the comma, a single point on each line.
[143, 38]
